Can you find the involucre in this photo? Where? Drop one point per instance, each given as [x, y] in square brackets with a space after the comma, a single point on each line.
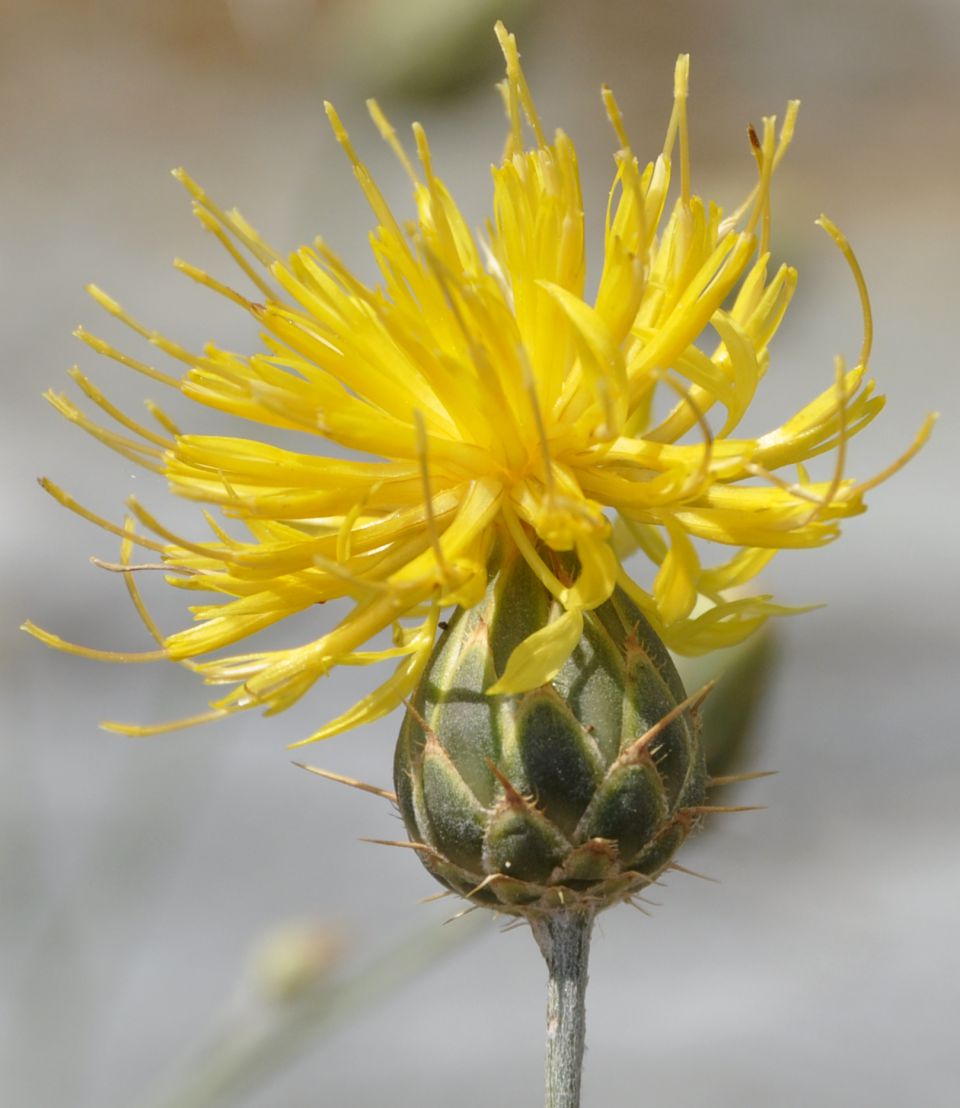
[577, 793]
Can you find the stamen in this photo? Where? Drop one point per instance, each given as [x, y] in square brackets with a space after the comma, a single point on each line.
[677, 128]
[514, 143]
[519, 90]
[340, 133]
[57, 643]
[549, 580]
[136, 452]
[681, 85]
[214, 525]
[204, 278]
[389, 135]
[423, 150]
[786, 137]
[246, 232]
[840, 239]
[94, 394]
[633, 183]
[480, 361]
[841, 455]
[763, 152]
[178, 353]
[922, 435]
[154, 524]
[424, 462]
[109, 351]
[509, 145]
[345, 534]
[141, 567]
[708, 438]
[615, 115]
[146, 731]
[70, 504]
[362, 658]
[378, 204]
[126, 550]
[231, 221]
[492, 265]
[530, 385]
[209, 223]
[792, 487]
[357, 586]
[786, 131]
[162, 418]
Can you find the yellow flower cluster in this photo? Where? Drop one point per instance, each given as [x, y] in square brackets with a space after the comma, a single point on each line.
[477, 395]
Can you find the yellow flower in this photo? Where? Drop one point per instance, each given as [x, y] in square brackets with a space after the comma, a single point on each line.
[478, 393]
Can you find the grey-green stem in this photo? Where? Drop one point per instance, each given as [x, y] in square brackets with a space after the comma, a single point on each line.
[564, 940]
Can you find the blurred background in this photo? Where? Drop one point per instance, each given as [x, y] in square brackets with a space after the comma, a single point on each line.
[137, 876]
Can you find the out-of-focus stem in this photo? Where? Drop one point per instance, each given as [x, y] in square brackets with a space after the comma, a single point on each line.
[252, 1046]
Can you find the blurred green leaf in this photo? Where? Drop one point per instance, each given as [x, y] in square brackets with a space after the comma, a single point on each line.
[427, 49]
[743, 674]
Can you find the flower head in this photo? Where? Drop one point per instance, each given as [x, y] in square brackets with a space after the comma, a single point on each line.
[478, 394]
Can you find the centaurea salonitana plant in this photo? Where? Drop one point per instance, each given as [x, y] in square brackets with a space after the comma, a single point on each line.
[489, 421]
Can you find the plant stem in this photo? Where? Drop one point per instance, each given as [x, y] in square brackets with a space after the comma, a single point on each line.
[564, 941]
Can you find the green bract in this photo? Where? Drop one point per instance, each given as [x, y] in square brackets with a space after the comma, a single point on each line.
[578, 792]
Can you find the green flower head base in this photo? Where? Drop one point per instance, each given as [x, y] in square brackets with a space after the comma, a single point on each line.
[578, 792]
